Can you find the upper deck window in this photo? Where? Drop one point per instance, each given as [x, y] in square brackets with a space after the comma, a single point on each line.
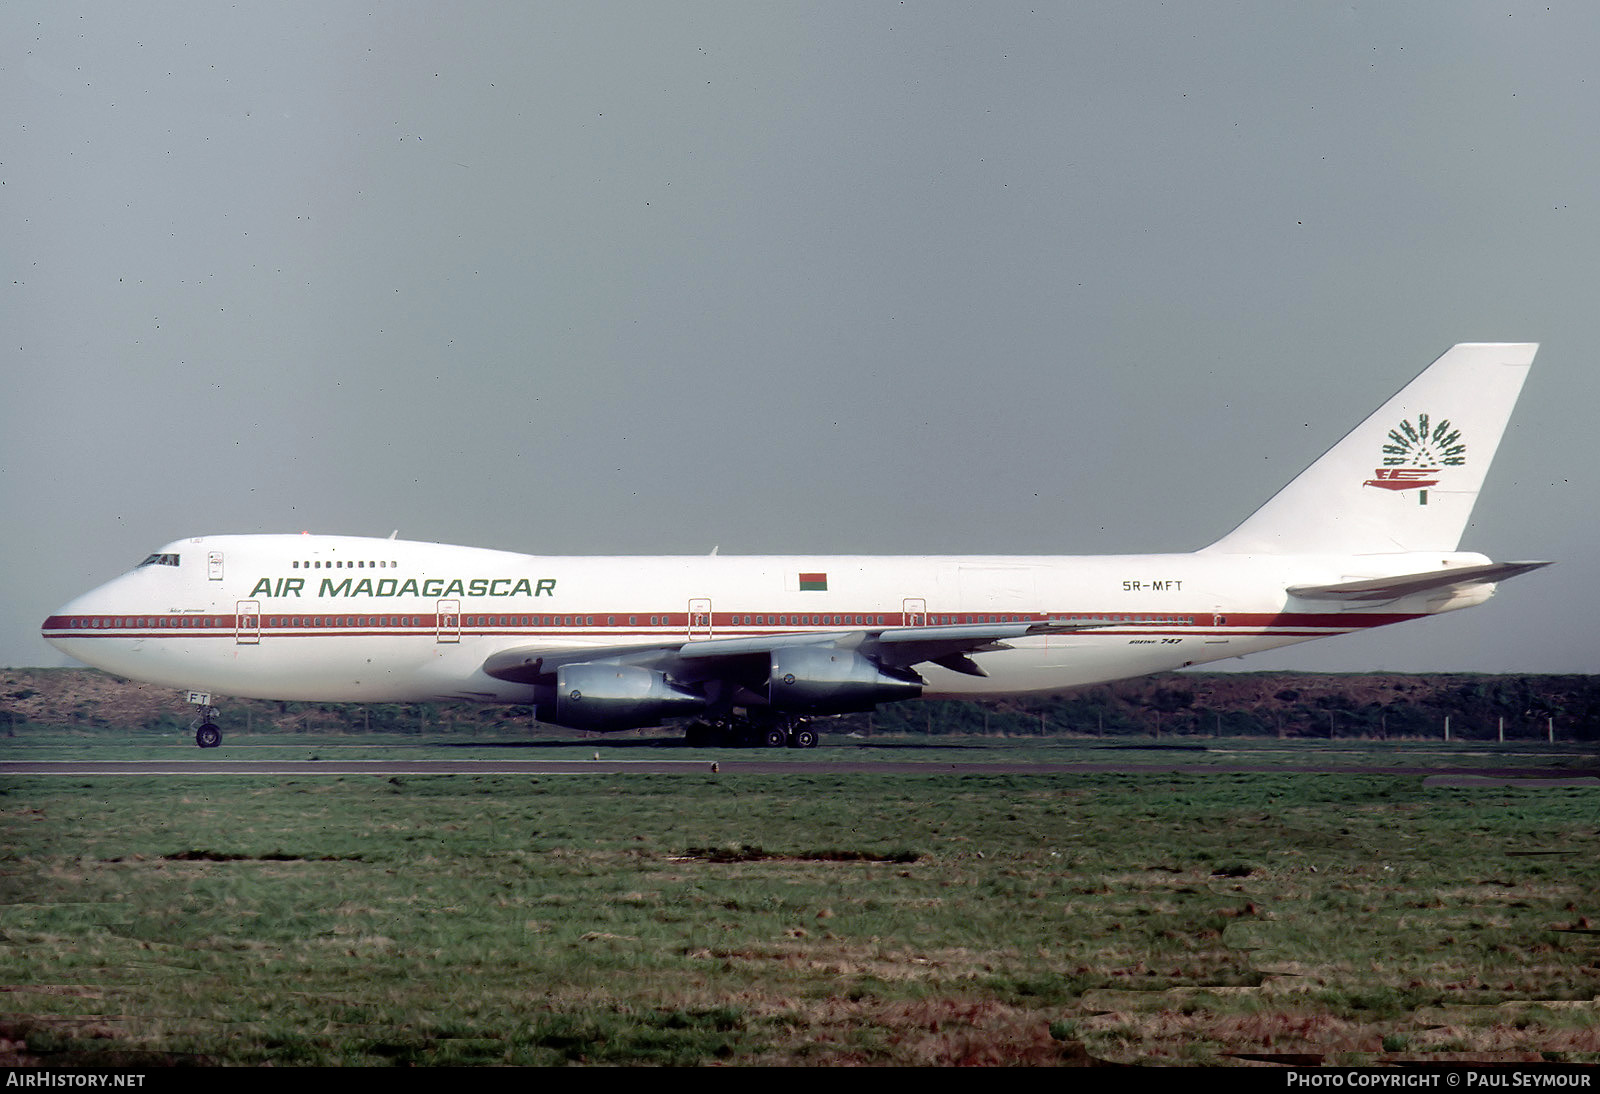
[160, 560]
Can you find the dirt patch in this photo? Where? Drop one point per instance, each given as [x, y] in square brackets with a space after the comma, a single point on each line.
[746, 853]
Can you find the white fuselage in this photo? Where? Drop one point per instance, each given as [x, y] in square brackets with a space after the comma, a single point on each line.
[334, 618]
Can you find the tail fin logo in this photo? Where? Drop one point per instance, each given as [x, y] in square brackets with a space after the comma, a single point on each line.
[1416, 453]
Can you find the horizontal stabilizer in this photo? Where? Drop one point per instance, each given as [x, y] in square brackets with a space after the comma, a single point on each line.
[1392, 588]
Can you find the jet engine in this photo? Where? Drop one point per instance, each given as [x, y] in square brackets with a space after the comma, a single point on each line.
[824, 680]
[601, 695]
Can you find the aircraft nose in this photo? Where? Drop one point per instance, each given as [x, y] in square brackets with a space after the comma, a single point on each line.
[73, 619]
[54, 629]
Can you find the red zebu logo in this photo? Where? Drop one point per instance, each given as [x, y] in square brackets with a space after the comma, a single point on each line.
[1403, 478]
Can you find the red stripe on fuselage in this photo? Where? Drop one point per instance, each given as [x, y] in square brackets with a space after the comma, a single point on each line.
[672, 625]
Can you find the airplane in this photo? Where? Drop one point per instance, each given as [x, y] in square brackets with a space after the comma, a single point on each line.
[755, 649]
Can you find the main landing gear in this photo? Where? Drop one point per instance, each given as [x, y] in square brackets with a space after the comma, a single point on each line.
[747, 732]
[206, 733]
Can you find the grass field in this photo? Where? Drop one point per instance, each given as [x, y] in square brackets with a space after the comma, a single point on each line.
[804, 918]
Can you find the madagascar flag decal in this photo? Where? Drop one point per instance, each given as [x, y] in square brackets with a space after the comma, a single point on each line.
[813, 583]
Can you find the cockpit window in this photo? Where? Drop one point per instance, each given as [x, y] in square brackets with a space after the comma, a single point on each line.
[160, 560]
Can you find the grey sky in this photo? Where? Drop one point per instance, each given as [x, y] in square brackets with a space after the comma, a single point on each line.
[618, 278]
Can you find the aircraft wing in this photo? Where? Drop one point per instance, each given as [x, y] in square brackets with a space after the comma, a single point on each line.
[788, 674]
[700, 659]
[1392, 588]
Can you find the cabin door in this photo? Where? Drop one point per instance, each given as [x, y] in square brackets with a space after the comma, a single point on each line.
[699, 618]
[247, 623]
[448, 625]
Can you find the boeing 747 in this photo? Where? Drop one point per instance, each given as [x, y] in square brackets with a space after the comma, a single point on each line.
[754, 648]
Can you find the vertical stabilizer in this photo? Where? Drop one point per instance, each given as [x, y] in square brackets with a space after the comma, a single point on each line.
[1407, 477]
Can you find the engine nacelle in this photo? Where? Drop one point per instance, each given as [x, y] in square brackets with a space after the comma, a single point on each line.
[824, 680]
[599, 695]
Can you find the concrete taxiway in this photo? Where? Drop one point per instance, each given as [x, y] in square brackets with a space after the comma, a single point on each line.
[1438, 774]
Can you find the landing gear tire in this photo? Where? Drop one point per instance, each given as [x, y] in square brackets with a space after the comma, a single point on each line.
[774, 737]
[208, 735]
[803, 737]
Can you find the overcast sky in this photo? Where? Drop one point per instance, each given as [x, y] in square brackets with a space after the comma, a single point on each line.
[609, 278]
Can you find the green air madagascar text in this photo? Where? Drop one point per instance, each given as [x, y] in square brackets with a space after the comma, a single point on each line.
[434, 587]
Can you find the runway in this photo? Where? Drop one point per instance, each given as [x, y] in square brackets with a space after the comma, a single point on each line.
[501, 766]
[1436, 775]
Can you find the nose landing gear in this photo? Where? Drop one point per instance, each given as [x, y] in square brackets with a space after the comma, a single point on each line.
[206, 733]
